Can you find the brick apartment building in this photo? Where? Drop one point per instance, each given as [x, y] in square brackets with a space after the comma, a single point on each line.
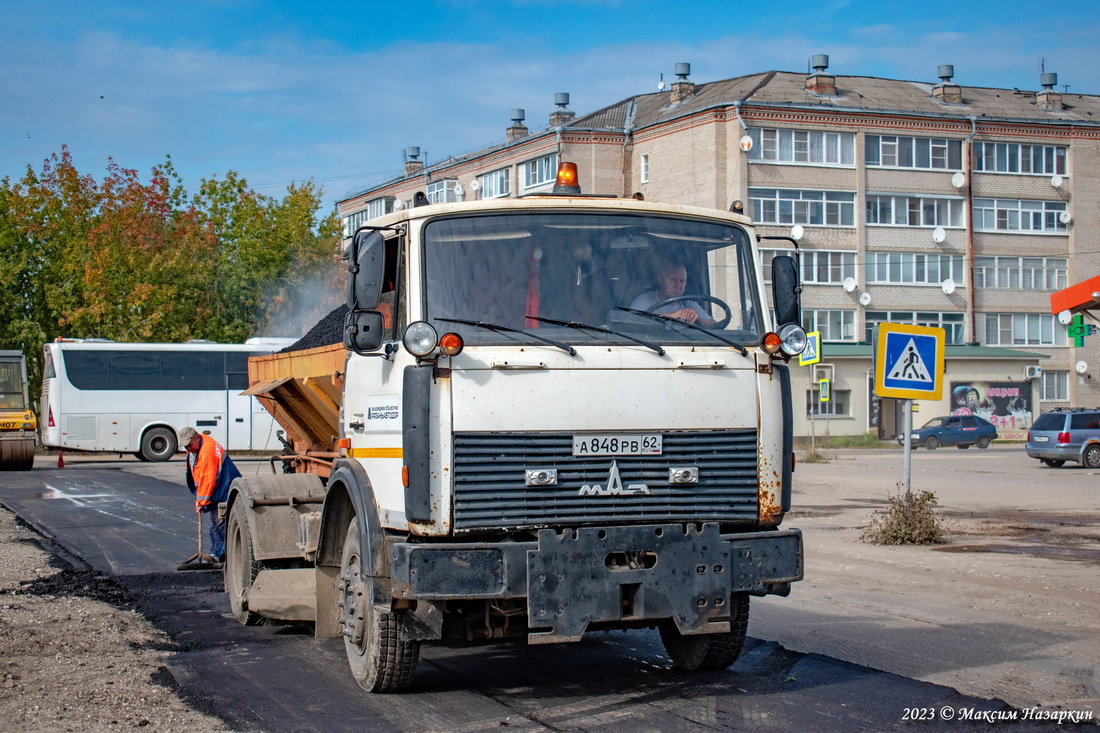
[915, 202]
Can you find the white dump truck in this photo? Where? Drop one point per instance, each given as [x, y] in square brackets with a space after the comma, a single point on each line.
[543, 416]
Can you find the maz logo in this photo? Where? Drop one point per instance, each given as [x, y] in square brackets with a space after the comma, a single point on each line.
[614, 486]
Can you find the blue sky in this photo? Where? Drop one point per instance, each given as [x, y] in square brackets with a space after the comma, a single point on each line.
[292, 91]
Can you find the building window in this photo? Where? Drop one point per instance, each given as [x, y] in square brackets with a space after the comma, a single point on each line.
[815, 147]
[644, 168]
[914, 211]
[834, 325]
[953, 324]
[375, 208]
[1045, 160]
[825, 267]
[913, 268]
[1023, 329]
[1021, 273]
[541, 170]
[837, 406]
[1012, 215]
[1054, 386]
[815, 208]
[441, 192]
[495, 184]
[900, 151]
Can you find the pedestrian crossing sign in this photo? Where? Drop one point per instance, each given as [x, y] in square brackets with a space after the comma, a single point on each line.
[909, 362]
[812, 353]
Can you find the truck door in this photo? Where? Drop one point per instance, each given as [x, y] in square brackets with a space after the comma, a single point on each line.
[238, 407]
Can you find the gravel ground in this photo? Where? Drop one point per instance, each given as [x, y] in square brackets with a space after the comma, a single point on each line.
[76, 657]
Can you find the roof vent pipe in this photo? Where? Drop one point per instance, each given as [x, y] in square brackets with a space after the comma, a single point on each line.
[945, 72]
[517, 131]
[1048, 81]
[819, 62]
[562, 114]
[561, 99]
[413, 163]
[682, 89]
[1049, 98]
[820, 82]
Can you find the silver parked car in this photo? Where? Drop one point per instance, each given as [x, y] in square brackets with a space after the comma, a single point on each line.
[1066, 435]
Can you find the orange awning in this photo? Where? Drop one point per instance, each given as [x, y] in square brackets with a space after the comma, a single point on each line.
[1077, 298]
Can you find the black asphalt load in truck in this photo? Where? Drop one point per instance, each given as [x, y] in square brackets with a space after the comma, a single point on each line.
[548, 416]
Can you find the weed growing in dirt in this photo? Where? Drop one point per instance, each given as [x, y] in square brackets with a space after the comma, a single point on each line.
[813, 456]
[909, 520]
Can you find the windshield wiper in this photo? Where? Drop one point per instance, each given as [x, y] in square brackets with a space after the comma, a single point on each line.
[666, 320]
[589, 327]
[497, 327]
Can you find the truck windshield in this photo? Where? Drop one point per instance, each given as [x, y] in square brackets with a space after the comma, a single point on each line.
[526, 271]
[11, 386]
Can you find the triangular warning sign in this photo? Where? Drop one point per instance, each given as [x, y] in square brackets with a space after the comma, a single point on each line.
[910, 365]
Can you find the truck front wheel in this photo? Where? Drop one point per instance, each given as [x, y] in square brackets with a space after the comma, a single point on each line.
[702, 652]
[381, 656]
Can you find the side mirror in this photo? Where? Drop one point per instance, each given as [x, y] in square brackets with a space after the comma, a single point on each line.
[363, 331]
[365, 261]
[786, 290]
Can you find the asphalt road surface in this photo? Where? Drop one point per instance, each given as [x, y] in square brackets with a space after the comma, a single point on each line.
[136, 522]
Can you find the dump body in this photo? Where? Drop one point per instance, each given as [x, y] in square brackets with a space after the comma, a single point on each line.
[17, 421]
[302, 390]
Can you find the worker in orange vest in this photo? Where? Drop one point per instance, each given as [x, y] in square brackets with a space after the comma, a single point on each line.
[210, 471]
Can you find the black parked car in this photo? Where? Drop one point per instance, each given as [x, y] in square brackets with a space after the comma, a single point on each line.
[961, 430]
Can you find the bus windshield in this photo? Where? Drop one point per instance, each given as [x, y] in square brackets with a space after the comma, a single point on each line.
[11, 386]
[526, 275]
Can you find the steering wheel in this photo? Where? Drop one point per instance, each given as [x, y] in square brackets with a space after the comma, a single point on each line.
[722, 323]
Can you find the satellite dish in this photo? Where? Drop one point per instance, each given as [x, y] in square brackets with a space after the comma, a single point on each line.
[1065, 317]
[1081, 367]
[797, 231]
[459, 190]
[865, 299]
[849, 284]
[948, 286]
[746, 143]
[939, 234]
[1056, 180]
[1065, 217]
[474, 185]
[398, 205]
[958, 180]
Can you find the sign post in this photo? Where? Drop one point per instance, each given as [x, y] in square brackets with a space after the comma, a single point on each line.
[909, 365]
[810, 356]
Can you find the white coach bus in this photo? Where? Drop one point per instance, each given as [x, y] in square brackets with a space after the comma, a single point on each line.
[115, 397]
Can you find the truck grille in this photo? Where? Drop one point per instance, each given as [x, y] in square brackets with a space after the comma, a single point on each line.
[490, 490]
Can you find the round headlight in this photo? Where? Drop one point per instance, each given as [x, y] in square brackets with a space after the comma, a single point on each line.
[419, 339]
[792, 339]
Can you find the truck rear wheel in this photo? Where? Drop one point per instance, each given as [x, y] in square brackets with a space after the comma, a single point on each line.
[17, 455]
[241, 566]
[381, 656]
[702, 652]
[158, 444]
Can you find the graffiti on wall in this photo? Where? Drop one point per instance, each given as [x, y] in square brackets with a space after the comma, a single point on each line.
[1005, 404]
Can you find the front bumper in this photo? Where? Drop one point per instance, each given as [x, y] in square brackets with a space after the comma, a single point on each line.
[578, 577]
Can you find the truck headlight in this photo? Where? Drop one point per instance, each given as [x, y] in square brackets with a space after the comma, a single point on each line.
[791, 340]
[420, 338]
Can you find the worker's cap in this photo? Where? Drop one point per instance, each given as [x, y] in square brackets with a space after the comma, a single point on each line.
[187, 435]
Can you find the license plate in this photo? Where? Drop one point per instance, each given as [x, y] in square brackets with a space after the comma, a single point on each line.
[615, 444]
[8, 425]
[1042, 438]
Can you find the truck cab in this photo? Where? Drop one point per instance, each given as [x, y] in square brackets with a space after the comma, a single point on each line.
[555, 414]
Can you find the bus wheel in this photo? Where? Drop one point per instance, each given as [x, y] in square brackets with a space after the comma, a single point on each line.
[159, 444]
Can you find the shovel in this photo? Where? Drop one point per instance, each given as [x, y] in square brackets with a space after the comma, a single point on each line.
[200, 560]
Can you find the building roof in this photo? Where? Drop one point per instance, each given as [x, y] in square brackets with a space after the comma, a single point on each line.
[854, 93]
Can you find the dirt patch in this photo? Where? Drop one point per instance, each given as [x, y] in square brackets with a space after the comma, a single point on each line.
[1037, 534]
[77, 656]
